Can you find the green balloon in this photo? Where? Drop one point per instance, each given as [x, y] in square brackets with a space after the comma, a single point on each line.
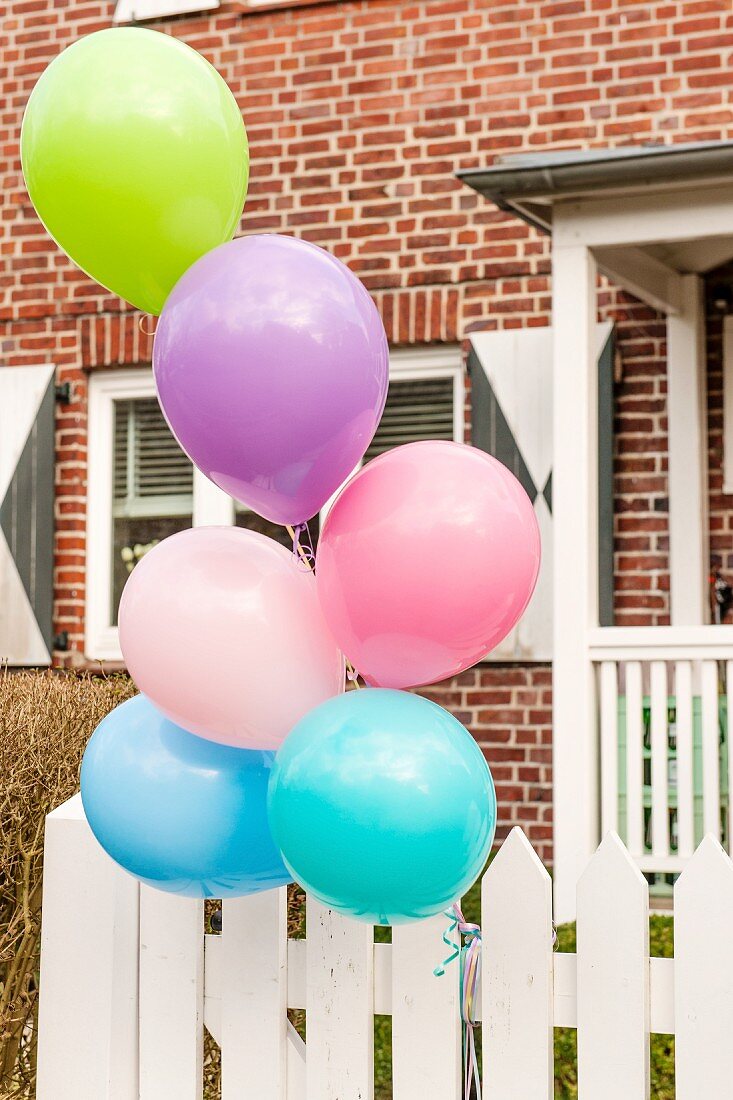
[135, 157]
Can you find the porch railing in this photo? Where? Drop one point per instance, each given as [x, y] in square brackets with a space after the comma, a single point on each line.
[664, 695]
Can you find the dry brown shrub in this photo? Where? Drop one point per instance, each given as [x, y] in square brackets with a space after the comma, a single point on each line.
[46, 719]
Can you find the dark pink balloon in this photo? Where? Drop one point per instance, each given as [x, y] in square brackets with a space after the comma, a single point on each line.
[426, 561]
[272, 366]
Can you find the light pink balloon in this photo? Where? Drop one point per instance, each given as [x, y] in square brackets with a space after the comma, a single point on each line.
[222, 630]
[426, 561]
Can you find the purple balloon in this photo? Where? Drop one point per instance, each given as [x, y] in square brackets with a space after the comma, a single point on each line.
[272, 366]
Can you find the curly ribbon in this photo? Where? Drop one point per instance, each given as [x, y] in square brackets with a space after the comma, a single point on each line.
[464, 943]
[302, 544]
[303, 551]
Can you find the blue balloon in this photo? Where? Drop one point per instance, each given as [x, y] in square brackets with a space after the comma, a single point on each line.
[383, 806]
[182, 814]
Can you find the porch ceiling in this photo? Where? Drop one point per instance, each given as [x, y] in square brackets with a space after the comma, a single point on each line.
[694, 257]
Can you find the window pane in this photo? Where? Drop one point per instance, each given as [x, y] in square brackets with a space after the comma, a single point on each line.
[152, 487]
[416, 409]
[132, 538]
[151, 472]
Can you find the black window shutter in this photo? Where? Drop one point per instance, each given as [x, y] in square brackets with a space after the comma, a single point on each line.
[27, 413]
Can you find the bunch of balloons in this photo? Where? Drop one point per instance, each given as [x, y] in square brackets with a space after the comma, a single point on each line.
[244, 761]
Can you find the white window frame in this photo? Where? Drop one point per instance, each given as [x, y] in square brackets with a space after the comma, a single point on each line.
[132, 11]
[438, 362]
[210, 504]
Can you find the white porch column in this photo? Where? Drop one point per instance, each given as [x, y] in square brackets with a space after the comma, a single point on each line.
[575, 521]
[687, 417]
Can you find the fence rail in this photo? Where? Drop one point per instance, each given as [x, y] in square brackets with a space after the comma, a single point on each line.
[129, 980]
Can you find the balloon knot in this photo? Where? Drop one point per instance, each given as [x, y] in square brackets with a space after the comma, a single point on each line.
[303, 545]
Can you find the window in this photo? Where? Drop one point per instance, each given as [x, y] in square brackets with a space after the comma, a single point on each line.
[142, 487]
[132, 11]
[152, 490]
[425, 401]
[417, 408]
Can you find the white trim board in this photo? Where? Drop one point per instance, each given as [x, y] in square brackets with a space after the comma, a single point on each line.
[130, 11]
[670, 217]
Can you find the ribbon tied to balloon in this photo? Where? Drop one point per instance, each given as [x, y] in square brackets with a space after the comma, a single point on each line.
[466, 948]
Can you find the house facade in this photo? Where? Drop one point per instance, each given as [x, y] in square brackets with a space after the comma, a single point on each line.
[360, 115]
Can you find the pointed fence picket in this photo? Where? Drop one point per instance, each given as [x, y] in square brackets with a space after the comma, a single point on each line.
[426, 1026]
[129, 980]
[89, 952]
[339, 1006]
[171, 1010]
[704, 974]
[613, 976]
[254, 997]
[516, 1004]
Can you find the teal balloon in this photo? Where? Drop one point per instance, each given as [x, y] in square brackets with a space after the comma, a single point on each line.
[383, 806]
[182, 814]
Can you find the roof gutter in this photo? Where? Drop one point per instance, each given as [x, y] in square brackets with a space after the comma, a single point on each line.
[508, 183]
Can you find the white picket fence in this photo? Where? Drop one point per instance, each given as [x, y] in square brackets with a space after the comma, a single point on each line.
[129, 980]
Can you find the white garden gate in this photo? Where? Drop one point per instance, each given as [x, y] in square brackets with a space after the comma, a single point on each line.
[129, 980]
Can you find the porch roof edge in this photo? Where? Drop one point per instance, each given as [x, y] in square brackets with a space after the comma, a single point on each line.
[528, 184]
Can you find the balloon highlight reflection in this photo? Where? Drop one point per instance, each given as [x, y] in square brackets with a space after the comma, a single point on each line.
[181, 814]
[383, 806]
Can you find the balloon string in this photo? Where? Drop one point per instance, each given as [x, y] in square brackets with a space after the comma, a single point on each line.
[141, 324]
[306, 555]
[352, 674]
[464, 942]
[302, 549]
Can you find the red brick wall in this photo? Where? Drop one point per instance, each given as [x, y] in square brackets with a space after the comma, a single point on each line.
[509, 711]
[641, 520]
[358, 115]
